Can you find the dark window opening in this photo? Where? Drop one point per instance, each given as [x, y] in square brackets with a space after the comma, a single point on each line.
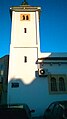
[23, 17]
[61, 84]
[15, 85]
[25, 30]
[25, 59]
[27, 17]
[53, 84]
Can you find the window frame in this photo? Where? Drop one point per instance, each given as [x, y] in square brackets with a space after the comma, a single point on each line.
[57, 76]
[61, 82]
[53, 83]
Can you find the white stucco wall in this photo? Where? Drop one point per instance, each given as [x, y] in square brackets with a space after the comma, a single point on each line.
[20, 69]
[18, 37]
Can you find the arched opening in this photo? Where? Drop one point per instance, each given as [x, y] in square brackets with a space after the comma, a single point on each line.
[23, 17]
[27, 17]
[61, 84]
[53, 84]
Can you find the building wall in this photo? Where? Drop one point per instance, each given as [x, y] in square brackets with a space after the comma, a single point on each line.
[37, 92]
[21, 39]
[21, 69]
[55, 69]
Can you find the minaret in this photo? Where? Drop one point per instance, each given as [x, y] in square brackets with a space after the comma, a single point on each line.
[24, 50]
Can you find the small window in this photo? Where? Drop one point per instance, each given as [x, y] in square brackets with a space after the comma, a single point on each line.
[61, 84]
[25, 30]
[53, 84]
[25, 59]
[23, 17]
[57, 83]
[15, 85]
[27, 17]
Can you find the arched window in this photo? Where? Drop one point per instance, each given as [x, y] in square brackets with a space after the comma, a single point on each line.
[23, 17]
[53, 84]
[61, 84]
[27, 17]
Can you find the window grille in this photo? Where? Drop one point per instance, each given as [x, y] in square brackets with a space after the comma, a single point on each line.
[61, 84]
[53, 84]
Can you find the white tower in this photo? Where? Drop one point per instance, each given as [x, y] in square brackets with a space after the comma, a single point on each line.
[24, 42]
[24, 52]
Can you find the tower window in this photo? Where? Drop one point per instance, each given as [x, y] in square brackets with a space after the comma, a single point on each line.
[27, 17]
[25, 59]
[23, 17]
[25, 30]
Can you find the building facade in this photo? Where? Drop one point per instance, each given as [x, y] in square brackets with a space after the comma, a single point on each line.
[4, 61]
[34, 78]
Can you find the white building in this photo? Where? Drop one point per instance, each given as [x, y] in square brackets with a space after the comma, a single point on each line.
[27, 83]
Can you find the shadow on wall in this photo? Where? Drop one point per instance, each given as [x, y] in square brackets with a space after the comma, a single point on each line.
[32, 94]
[36, 93]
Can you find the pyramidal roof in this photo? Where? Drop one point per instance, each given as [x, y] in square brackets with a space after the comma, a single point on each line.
[25, 7]
[24, 3]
